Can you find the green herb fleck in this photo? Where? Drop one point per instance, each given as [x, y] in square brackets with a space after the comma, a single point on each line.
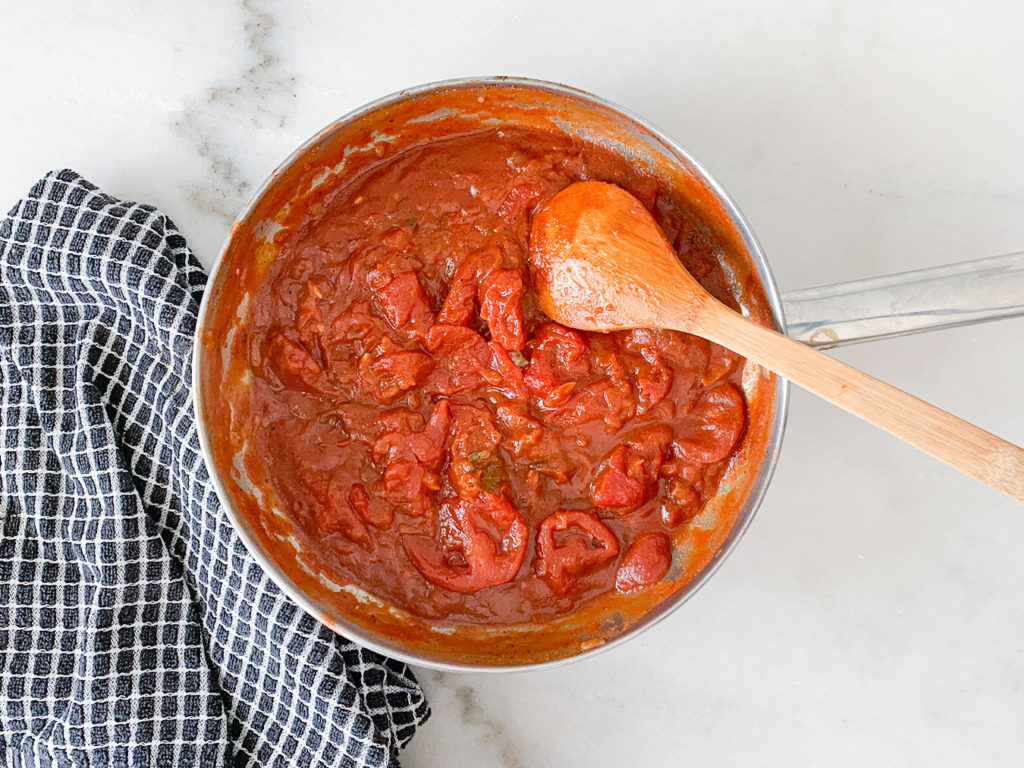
[492, 476]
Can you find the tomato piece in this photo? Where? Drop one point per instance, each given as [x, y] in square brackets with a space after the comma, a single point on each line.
[567, 349]
[521, 198]
[481, 543]
[372, 511]
[461, 354]
[473, 450]
[653, 386]
[409, 486]
[410, 453]
[676, 465]
[614, 486]
[387, 371]
[293, 365]
[540, 377]
[526, 440]
[377, 264]
[510, 375]
[720, 362]
[404, 305]
[405, 436]
[558, 359]
[604, 358]
[601, 400]
[588, 544]
[501, 307]
[428, 445]
[645, 562]
[630, 471]
[464, 477]
[612, 397]
[521, 430]
[719, 415]
[354, 324]
[647, 447]
[397, 426]
[448, 340]
[459, 303]
[681, 503]
[473, 431]
[335, 515]
[658, 360]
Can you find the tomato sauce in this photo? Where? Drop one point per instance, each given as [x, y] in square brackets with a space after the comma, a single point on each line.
[445, 445]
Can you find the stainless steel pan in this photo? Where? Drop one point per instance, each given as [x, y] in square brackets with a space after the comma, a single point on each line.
[940, 297]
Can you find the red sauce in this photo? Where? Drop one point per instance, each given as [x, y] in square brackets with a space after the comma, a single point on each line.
[448, 447]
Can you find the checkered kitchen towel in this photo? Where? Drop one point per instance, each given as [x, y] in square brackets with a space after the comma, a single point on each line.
[135, 629]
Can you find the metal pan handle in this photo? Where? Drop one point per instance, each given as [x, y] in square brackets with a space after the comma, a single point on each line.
[909, 302]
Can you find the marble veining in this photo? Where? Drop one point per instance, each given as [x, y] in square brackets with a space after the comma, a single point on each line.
[258, 93]
[475, 716]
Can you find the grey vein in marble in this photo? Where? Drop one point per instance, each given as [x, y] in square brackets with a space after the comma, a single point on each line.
[474, 715]
[256, 94]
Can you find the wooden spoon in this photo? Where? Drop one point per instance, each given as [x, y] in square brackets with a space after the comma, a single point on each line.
[601, 263]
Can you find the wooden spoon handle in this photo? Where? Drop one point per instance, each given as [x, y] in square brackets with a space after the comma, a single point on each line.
[975, 452]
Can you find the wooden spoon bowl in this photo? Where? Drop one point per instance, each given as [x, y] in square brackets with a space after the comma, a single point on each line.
[601, 263]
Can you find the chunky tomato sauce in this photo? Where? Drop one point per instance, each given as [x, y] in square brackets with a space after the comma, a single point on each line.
[451, 449]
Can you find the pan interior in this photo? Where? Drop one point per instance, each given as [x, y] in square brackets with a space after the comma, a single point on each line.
[347, 148]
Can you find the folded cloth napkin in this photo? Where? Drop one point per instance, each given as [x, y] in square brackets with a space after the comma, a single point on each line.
[135, 629]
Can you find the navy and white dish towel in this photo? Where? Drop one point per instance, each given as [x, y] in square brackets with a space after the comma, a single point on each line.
[135, 629]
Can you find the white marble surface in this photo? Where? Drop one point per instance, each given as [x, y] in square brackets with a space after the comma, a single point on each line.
[873, 614]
